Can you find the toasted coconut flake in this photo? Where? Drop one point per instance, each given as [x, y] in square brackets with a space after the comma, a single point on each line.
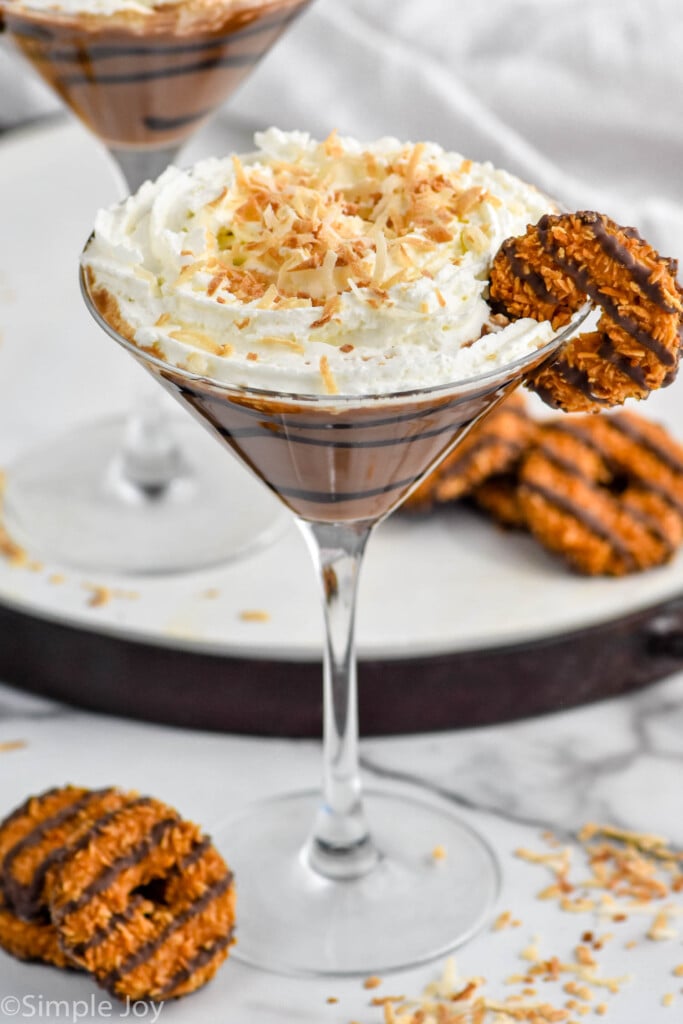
[7, 746]
[99, 595]
[373, 981]
[492, 200]
[503, 920]
[215, 283]
[311, 233]
[330, 309]
[269, 298]
[661, 928]
[468, 200]
[10, 550]
[329, 382]
[413, 162]
[290, 343]
[255, 615]
[381, 258]
[476, 239]
[578, 905]
[332, 145]
[198, 339]
[219, 198]
[145, 275]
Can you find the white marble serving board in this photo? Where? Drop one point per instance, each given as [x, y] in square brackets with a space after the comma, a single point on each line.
[444, 585]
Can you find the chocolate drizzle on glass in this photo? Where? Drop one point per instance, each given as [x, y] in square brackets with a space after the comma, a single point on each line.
[147, 81]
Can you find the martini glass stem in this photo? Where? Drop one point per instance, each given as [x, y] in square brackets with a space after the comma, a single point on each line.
[140, 165]
[340, 845]
[149, 461]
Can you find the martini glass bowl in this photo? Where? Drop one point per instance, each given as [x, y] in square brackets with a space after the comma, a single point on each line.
[342, 882]
[142, 83]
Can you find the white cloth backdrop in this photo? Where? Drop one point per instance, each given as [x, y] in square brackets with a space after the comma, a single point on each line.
[584, 97]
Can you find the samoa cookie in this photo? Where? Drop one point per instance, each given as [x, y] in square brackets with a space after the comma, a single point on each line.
[605, 493]
[493, 446]
[38, 833]
[547, 274]
[145, 903]
[34, 941]
[498, 498]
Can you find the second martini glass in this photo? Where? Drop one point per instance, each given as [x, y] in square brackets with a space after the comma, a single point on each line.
[142, 80]
[341, 882]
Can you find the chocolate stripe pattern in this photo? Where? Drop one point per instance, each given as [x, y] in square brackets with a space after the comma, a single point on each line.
[628, 508]
[116, 920]
[614, 481]
[202, 959]
[608, 352]
[640, 274]
[330, 464]
[110, 874]
[37, 834]
[148, 83]
[628, 428]
[590, 287]
[525, 273]
[586, 519]
[145, 952]
[27, 899]
[573, 375]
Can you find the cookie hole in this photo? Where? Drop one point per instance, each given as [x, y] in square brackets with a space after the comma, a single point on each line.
[619, 484]
[155, 891]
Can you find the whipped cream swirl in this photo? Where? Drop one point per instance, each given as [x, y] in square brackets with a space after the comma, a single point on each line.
[318, 268]
[110, 8]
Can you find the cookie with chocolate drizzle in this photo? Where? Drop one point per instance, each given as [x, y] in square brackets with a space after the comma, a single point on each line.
[144, 902]
[605, 493]
[498, 497]
[548, 273]
[117, 884]
[35, 941]
[494, 446]
[42, 832]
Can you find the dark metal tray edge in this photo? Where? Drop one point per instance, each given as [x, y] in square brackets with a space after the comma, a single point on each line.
[133, 679]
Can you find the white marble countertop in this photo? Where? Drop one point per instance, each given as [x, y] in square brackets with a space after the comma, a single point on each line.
[618, 762]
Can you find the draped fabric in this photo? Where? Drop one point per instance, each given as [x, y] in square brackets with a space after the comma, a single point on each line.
[583, 97]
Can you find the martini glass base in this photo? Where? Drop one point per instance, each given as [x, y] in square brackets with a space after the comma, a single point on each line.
[68, 502]
[412, 907]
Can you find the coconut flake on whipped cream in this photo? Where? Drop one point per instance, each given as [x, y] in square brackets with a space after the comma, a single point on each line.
[317, 268]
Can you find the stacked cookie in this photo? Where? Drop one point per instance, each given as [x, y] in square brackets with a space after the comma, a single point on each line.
[603, 492]
[118, 885]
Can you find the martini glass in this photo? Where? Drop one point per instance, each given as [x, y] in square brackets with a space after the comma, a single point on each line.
[118, 494]
[341, 882]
